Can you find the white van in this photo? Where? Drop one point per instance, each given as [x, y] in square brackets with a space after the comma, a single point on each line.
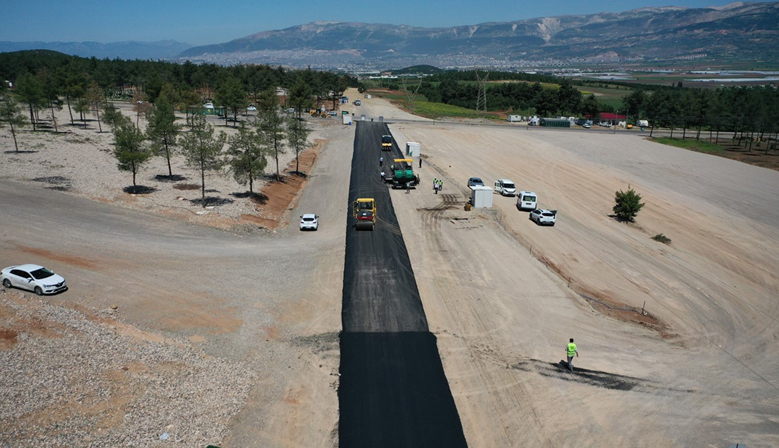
[505, 187]
[527, 200]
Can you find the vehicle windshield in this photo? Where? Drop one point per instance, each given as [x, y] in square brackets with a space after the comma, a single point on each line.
[41, 273]
[508, 185]
[308, 219]
[529, 198]
[386, 139]
[548, 214]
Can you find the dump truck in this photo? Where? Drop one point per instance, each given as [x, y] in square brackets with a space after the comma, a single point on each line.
[364, 211]
[401, 174]
[386, 143]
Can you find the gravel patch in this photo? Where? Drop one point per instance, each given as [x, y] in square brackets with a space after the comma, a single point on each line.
[70, 378]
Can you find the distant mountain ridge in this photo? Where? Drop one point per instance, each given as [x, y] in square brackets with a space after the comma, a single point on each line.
[739, 31]
[124, 50]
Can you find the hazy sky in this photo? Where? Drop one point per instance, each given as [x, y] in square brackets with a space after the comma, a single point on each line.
[200, 22]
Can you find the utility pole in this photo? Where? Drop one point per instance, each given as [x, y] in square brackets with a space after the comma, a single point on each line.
[481, 100]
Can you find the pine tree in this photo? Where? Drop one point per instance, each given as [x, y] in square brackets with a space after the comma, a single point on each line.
[628, 204]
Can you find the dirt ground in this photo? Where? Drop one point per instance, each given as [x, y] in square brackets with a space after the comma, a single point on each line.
[501, 294]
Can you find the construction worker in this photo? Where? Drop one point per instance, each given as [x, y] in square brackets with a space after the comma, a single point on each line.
[381, 161]
[440, 184]
[571, 351]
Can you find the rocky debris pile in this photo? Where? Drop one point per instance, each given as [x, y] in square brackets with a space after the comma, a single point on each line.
[71, 379]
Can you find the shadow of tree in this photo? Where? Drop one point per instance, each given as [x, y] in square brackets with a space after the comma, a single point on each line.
[166, 178]
[139, 189]
[211, 200]
[272, 178]
[187, 186]
[257, 198]
[299, 174]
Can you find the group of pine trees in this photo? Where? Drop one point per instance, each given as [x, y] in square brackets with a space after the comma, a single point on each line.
[44, 82]
[245, 154]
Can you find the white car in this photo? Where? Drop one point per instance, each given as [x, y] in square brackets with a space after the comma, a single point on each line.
[309, 221]
[252, 108]
[505, 187]
[33, 278]
[527, 200]
[543, 217]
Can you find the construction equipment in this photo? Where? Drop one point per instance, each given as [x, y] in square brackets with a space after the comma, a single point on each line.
[401, 174]
[386, 143]
[364, 211]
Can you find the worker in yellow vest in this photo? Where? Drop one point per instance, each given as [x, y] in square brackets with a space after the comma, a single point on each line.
[571, 351]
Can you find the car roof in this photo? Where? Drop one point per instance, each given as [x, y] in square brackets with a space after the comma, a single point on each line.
[506, 180]
[27, 267]
[309, 215]
[528, 192]
[475, 178]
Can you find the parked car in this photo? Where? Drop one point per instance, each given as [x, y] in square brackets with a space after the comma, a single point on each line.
[505, 187]
[586, 126]
[472, 182]
[33, 277]
[527, 200]
[544, 217]
[309, 221]
[252, 108]
[357, 102]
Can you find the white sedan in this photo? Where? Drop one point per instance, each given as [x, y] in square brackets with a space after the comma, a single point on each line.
[33, 278]
[544, 217]
[309, 221]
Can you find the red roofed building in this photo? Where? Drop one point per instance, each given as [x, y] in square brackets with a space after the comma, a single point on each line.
[611, 117]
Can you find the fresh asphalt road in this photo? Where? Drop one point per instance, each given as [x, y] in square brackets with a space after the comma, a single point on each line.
[393, 391]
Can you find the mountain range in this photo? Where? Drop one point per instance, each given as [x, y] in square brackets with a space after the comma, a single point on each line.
[737, 33]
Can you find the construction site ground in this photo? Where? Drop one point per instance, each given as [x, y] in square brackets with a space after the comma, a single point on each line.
[501, 294]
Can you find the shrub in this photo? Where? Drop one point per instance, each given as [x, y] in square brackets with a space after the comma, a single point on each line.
[662, 238]
[628, 204]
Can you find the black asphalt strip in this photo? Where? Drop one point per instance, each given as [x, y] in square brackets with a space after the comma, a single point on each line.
[393, 391]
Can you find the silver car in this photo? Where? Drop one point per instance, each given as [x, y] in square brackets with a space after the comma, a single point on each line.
[33, 277]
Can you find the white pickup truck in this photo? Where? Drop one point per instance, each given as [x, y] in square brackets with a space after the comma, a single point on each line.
[505, 187]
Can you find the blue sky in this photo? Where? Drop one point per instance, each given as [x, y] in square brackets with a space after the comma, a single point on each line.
[199, 22]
